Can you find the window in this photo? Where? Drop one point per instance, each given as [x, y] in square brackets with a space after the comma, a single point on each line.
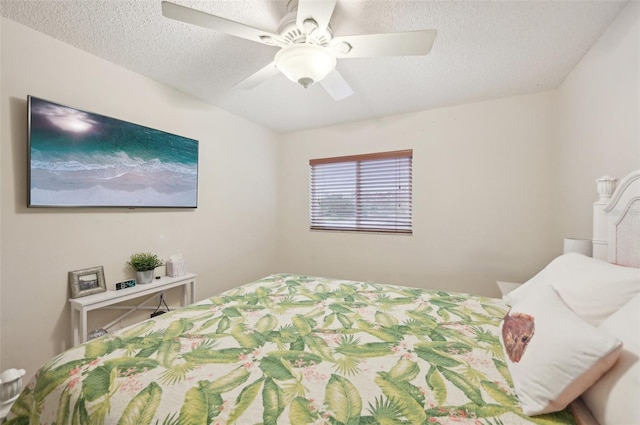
[365, 193]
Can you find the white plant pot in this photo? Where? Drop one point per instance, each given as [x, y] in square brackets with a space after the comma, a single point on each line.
[145, 277]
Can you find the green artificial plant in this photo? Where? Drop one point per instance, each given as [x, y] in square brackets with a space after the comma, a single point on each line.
[144, 261]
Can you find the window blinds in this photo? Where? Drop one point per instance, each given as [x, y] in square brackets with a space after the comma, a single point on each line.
[368, 193]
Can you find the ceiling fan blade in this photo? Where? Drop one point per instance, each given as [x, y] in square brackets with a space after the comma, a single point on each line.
[318, 10]
[258, 77]
[412, 43]
[336, 85]
[206, 20]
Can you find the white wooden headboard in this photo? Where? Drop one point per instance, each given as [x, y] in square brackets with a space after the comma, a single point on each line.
[616, 220]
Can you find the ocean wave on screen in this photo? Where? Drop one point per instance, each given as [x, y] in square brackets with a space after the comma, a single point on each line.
[108, 166]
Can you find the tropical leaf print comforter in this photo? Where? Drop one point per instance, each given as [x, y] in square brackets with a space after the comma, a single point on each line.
[291, 349]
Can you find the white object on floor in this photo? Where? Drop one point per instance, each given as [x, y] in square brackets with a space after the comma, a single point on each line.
[10, 387]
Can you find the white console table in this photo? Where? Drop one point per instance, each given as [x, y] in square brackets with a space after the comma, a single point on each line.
[81, 306]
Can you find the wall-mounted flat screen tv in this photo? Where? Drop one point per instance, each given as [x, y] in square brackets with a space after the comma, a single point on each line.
[82, 159]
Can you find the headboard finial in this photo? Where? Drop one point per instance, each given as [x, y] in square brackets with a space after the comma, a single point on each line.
[606, 187]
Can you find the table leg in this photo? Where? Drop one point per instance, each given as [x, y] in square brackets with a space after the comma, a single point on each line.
[83, 325]
[75, 335]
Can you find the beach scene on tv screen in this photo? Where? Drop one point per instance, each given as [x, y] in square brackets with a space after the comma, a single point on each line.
[84, 159]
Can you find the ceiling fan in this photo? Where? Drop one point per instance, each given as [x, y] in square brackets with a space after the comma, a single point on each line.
[308, 50]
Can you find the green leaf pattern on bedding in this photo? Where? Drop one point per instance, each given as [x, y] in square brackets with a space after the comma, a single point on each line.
[291, 349]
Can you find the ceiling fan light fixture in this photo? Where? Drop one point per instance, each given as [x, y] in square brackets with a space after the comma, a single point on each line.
[305, 64]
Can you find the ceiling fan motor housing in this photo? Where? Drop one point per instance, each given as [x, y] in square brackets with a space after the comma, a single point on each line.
[289, 31]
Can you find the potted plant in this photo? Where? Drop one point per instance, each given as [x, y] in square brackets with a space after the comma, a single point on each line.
[144, 263]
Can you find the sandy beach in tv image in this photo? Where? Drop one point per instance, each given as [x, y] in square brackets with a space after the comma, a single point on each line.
[84, 159]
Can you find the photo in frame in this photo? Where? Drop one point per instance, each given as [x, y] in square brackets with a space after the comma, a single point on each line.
[87, 282]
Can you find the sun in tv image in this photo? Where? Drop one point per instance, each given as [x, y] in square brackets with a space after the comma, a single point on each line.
[83, 159]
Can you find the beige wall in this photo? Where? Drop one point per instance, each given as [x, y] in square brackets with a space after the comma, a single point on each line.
[227, 240]
[497, 184]
[599, 107]
[483, 175]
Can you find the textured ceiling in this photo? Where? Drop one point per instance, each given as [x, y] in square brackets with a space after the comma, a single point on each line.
[484, 50]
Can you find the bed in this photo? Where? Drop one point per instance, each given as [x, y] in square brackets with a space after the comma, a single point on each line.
[293, 349]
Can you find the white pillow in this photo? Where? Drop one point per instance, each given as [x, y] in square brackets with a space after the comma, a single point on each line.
[593, 289]
[615, 398]
[552, 354]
